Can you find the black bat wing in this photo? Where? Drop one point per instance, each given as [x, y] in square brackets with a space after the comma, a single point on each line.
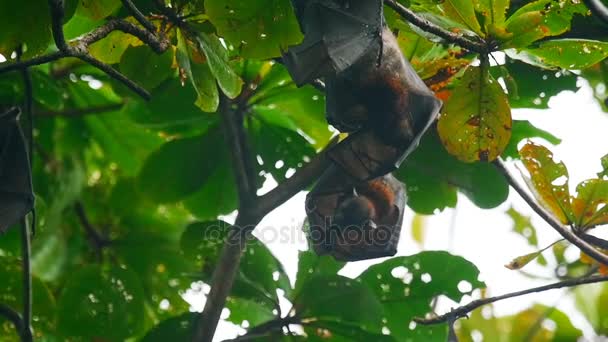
[16, 191]
[337, 34]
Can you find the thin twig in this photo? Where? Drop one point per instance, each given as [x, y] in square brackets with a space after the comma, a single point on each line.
[428, 26]
[138, 15]
[552, 221]
[14, 317]
[26, 244]
[465, 309]
[97, 241]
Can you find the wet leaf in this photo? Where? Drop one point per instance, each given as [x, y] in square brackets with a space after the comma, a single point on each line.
[567, 53]
[258, 29]
[548, 181]
[217, 58]
[476, 119]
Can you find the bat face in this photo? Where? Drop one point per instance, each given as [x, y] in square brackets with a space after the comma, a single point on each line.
[365, 239]
[337, 34]
[16, 194]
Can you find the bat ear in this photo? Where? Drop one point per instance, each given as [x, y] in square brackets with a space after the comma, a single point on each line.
[16, 193]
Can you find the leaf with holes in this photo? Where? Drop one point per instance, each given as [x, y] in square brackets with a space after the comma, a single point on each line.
[476, 119]
[539, 19]
[259, 29]
[565, 53]
[406, 287]
[590, 206]
[548, 181]
[522, 130]
[99, 302]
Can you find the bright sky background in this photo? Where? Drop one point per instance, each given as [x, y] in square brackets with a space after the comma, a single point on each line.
[484, 237]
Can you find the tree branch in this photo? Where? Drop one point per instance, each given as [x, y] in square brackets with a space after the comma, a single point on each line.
[14, 317]
[138, 15]
[428, 26]
[26, 244]
[465, 309]
[545, 215]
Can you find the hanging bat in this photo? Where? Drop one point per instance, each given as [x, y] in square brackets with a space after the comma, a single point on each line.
[353, 220]
[336, 34]
[16, 191]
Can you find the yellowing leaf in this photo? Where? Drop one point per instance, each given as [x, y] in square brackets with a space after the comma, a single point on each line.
[549, 181]
[418, 228]
[590, 206]
[476, 119]
[522, 261]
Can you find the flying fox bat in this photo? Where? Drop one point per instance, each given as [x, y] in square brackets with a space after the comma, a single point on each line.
[336, 34]
[16, 191]
[353, 220]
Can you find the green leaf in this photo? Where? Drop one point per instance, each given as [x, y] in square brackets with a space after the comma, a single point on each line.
[535, 86]
[326, 329]
[11, 294]
[590, 206]
[463, 12]
[476, 119]
[218, 196]
[549, 181]
[493, 12]
[340, 299]
[310, 264]
[110, 49]
[101, 303]
[25, 22]
[97, 9]
[406, 287]
[522, 225]
[523, 324]
[252, 311]
[539, 19]
[180, 328]
[432, 176]
[260, 273]
[157, 67]
[592, 301]
[171, 107]
[217, 58]
[522, 130]
[567, 53]
[181, 167]
[200, 76]
[604, 172]
[161, 267]
[258, 29]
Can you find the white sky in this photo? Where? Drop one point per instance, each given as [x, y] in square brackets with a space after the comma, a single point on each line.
[483, 237]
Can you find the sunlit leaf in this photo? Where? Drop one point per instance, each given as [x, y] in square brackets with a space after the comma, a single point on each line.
[97, 9]
[476, 120]
[217, 57]
[110, 49]
[604, 172]
[549, 181]
[539, 19]
[567, 53]
[590, 206]
[463, 12]
[258, 29]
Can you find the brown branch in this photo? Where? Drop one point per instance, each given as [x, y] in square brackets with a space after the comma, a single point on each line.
[97, 241]
[140, 17]
[77, 112]
[465, 309]
[428, 26]
[552, 221]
